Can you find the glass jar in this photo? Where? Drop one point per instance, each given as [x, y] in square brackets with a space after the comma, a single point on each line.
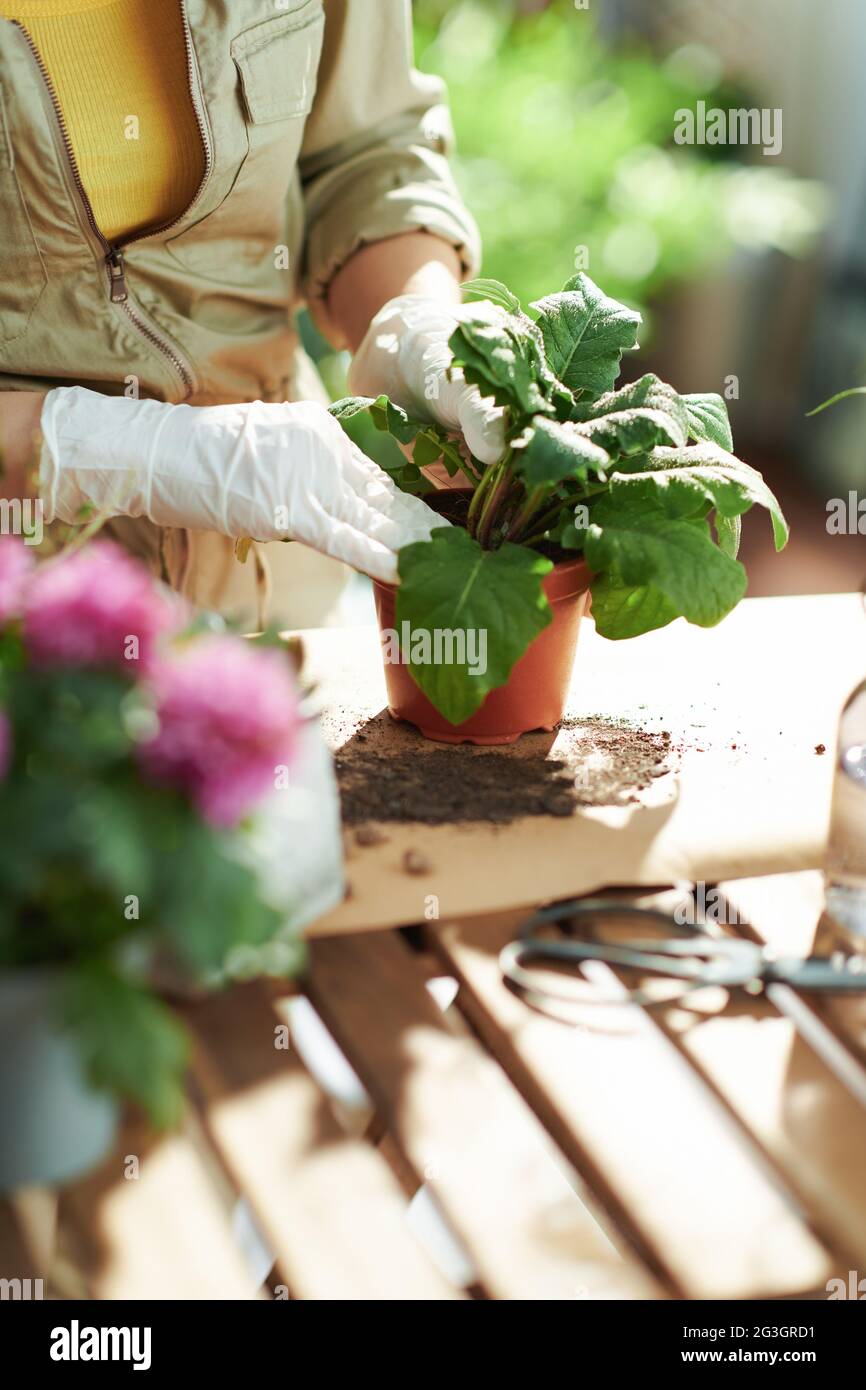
[846, 851]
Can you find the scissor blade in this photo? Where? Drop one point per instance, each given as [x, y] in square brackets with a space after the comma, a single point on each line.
[819, 974]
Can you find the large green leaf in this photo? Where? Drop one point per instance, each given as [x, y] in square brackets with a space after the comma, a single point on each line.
[549, 452]
[452, 594]
[502, 360]
[585, 334]
[648, 392]
[635, 431]
[671, 563]
[623, 610]
[685, 480]
[708, 419]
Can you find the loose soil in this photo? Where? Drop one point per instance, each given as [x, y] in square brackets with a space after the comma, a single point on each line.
[598, 762]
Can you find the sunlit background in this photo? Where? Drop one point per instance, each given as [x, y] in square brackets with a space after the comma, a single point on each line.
[750, 270]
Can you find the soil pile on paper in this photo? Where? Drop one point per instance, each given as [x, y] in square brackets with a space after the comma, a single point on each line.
[595, 762]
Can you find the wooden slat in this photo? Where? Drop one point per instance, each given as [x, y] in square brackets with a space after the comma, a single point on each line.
[35, 1210]
[779, 1088]
[164, 1234]
[804, 1118]
[463, 1129]
[809, 1111]
[16, 1258]
[786, 910]
[330, 1207]
[647, 1131]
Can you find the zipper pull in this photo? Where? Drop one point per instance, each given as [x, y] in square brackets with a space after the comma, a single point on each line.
[116, 276]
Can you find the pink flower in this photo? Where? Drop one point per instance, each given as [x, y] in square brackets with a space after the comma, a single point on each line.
[228, 719]
[5, 745]
[15, 563]
[96, 607]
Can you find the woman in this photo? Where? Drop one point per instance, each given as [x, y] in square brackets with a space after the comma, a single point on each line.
[175, 176]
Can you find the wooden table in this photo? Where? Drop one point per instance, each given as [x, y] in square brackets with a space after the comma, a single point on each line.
[714, 1153]
[751, 709]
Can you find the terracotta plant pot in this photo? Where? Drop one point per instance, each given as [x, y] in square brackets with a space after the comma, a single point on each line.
[535, 693]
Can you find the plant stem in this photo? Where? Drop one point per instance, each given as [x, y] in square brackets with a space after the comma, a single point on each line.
[545, 517]
[83, 535]
[478, 497]
[501, 486]
[524, 515]
[511, 504]
[541, 522]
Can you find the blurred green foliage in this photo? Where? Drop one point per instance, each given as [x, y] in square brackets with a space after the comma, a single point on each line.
[565, 150]
[102, 873]
[565, 154]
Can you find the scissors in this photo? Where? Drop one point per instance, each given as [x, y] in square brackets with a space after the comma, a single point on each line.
[681, 953]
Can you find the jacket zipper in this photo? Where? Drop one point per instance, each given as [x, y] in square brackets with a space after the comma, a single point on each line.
[114, 257]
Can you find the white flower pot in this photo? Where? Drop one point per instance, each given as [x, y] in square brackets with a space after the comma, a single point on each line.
[54, 1124]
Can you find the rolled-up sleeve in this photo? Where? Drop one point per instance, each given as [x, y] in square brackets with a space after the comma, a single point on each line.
[374, 162]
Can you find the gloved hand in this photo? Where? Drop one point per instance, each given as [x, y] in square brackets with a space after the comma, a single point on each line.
[405, 355]
[267, 471]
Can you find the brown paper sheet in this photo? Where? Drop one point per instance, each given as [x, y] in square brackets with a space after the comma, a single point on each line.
[746, 704]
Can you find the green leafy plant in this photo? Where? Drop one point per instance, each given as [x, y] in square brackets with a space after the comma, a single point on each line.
[126, 808]
[640, 480]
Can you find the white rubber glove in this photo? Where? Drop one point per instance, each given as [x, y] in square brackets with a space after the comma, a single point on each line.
[405, 355]
[268, 471]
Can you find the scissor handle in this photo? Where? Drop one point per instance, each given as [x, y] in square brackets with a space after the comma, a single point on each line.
[603, 907]
[720, 960]
[685, 953]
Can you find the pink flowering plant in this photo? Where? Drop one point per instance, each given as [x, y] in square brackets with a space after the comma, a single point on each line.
[135, 754]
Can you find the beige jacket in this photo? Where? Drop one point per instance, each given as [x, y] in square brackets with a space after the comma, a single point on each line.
[319, 136]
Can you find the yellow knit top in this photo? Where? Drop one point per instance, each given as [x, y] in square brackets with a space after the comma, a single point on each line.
[120, 74]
